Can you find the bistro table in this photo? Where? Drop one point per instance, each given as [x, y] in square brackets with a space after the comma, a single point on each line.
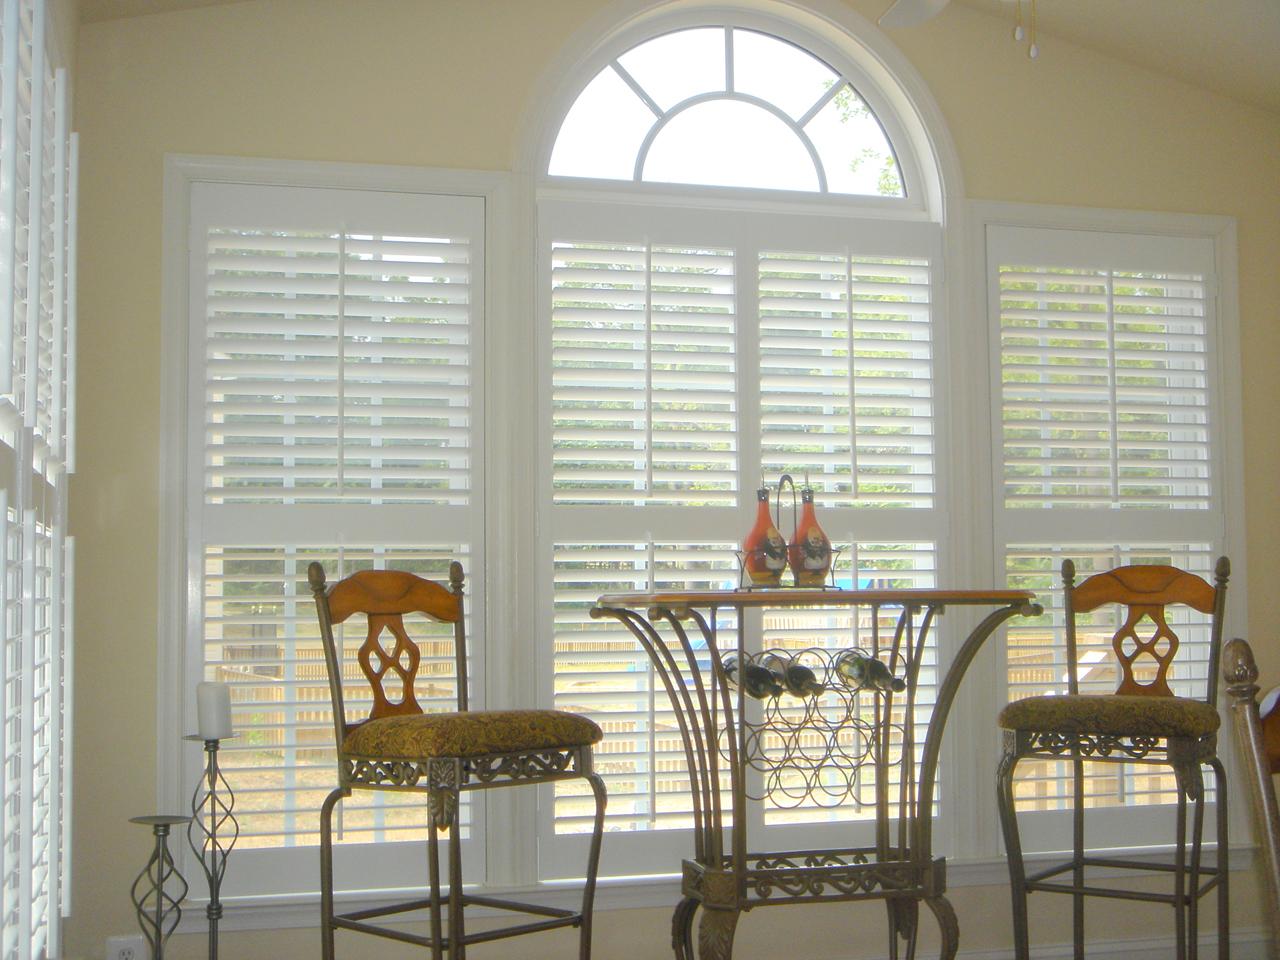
[860, 732]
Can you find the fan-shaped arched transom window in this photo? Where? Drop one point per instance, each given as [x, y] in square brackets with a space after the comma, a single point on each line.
[730, 107]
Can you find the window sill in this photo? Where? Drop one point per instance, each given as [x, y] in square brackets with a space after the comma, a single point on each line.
[621, 893]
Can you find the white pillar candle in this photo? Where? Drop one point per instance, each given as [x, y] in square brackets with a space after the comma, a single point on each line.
[213, 710]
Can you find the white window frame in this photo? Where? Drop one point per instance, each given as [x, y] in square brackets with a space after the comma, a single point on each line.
[180, 658]
[979, 341]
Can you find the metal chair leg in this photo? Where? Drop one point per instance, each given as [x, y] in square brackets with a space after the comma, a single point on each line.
[1193, 875]
[593, 866]
[326, 871]
[1224, 900]
[433, 855]
[457, 928]
[1013, 845]
[1180, 866]
[1077, 855]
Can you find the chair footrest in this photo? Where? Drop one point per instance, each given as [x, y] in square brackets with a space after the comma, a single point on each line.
[1043, 886]
[1117, 863]
[556, 917]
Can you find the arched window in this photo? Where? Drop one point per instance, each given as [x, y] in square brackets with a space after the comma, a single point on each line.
[740, 255]
[731, 107]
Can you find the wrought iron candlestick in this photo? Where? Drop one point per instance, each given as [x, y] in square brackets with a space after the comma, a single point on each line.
[158, 908]
[213, 831]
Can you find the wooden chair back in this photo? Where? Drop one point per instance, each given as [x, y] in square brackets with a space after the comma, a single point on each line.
[384, 597]
[1145, 592]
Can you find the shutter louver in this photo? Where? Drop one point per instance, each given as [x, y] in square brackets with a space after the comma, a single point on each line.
[846, 374]
[338, 368]
[643, 375]
[1105, 389]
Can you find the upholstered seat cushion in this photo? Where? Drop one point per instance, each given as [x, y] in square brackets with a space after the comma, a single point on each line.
[1114, 714]
[471, 734]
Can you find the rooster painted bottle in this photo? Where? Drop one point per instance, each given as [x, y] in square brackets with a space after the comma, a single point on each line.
[810, 551]
[764, 551]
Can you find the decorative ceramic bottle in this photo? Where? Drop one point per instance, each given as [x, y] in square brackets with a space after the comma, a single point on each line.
[764, 552]
[810, 549]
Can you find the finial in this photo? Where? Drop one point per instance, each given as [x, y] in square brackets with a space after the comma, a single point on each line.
[1068, 571]
[315, 577]
[455, 576]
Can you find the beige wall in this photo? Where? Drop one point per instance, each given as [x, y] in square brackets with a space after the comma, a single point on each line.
[443, 83]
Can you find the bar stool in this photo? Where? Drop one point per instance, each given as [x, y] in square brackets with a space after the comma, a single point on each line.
[1142, 722]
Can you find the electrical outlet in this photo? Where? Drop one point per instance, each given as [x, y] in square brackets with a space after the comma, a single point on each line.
[127, 948]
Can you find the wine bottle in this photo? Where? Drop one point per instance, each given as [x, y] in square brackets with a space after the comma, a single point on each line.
[801, 681]
[759, 682]
[860, 671]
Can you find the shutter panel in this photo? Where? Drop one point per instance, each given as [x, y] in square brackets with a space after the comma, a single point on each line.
[406, 369]
[1037, 660]
[1105, 388]
[601, 671]
[338, 368]
[332, 378]
[262, 638]
[846, 788]
[12, 802]
[643, 374]
[846, 372]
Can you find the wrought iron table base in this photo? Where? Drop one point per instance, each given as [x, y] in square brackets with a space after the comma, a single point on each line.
[721, 735]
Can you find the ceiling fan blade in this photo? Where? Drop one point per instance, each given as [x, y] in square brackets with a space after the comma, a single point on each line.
[907, 13]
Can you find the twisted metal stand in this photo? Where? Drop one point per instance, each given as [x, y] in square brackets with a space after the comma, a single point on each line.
[158, 909]
[211, 822]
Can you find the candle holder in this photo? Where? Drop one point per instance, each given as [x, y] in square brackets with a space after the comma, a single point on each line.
[212, 831]
[158, 909]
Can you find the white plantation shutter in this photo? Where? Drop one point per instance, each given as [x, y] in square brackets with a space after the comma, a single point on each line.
[335, 340]
[338, 368]
[1105, 388]
[690, 351]
[1106, 453]
[643, 383]
[847, 783]
[846, 376]
[37, 237]
[262, 638]
[601, 671]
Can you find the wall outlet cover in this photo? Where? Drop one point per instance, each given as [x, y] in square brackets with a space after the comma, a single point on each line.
[127, 948]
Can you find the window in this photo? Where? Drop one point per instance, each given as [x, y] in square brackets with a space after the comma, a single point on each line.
[1108, 452]
[744, 109]
[386, 369]
[37, 330]
[691, 351]
[335, 406]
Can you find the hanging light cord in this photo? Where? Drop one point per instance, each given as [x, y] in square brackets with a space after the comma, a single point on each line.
[1020, 32]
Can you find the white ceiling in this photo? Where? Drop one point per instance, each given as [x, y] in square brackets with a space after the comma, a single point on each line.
[1228, 46]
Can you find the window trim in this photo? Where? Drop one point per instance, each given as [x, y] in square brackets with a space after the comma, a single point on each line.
[977, 834]
[176, 764]
[830, 29]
